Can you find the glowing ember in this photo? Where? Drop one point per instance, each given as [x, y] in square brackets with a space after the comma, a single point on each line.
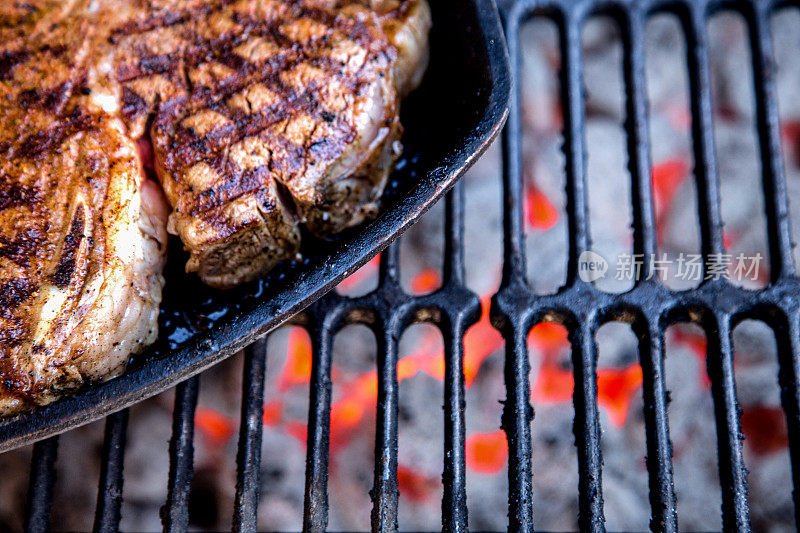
[540, 213]
[273, 413]
[434, 367]
[790, 134]
[414, 485]
[348, 412]
[407, 367]
[549, 338]
[667, 179]
[487, 452]
[298, 364]
[361, 275]
[216, 428]
[764, 429]
[729, 239]
[481, 341]
[616, 389]
[426, 281]
[297, 430]
[553, 384]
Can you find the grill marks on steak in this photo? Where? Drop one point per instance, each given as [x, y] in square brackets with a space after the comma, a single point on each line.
[65, 268]
[89, 256]
[15, 195]
[80, 251]
[262, 114]
[10, 59]
[254, 96]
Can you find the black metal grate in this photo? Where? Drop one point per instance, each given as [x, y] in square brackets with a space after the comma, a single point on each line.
[649, 307]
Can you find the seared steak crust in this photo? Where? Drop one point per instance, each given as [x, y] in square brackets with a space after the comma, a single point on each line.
[252, 97]
[82, 235]
[262, 115]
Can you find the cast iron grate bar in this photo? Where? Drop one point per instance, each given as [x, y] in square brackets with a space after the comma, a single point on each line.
[251, 427]
[517, 413]
[175, 513]
[718, 327]
[716, 305]
[454, 501]
[775, 196]
[109, 493]
[384, 491]
[316, 489]
[40, 488]
[661, 487]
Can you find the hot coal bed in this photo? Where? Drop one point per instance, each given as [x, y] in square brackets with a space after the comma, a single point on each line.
[693, 478]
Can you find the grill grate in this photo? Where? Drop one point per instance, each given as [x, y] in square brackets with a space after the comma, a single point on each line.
[649, 307]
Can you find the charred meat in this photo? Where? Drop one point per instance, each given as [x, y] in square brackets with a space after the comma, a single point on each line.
[82, 237]
[260, 116]
[268, 114]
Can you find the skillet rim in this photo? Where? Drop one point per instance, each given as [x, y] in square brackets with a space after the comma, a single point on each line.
[210, 347]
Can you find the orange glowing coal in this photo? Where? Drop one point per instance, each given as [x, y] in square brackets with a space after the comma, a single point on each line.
[729, 239]
[480, 341]
[428, 280]
[216, 428]
[667, 179]
[414, 485]
[616, 388]
[361, 275]
[273, 413]
[790, 134]
[539, 211]
[358, 396]
[487, 452]
[298, 363]
[764, 428]
[549, 338]
[553, 384]
[297, 430]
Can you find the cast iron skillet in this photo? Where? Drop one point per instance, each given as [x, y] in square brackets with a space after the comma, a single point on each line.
[449, 122]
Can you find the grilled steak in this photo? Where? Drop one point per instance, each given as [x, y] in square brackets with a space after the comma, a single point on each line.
[262, 115]
[82, 235]
[269, 114]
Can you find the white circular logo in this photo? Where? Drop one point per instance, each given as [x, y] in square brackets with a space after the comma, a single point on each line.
[591, 266]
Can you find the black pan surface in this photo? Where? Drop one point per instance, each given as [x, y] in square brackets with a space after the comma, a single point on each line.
[449, 121]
